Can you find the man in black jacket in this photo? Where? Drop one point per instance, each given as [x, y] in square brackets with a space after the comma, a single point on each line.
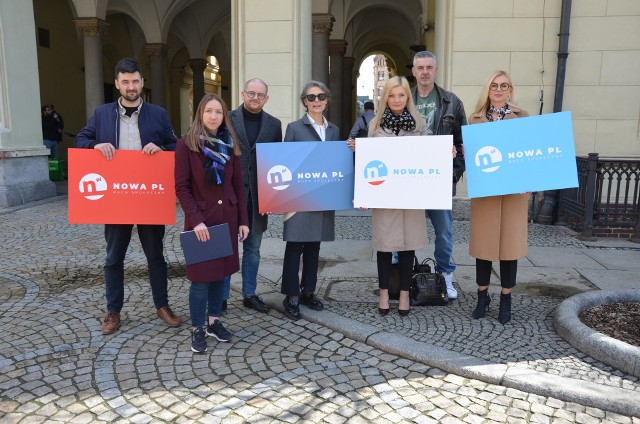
[252, 125]
[444, 113]
[51, 130]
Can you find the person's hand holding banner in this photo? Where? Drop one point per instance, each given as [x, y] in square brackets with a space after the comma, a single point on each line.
[127, 188]
[522, 155]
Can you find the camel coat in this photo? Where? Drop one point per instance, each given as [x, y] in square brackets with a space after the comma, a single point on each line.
[499, 223]
[398, 229]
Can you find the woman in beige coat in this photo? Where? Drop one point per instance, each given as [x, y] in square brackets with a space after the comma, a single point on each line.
[498, 223]
[401, 230]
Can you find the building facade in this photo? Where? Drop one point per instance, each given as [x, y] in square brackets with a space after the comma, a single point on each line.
[64, 51]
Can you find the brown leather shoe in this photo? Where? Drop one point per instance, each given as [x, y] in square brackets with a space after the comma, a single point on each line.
[111, 323]
[166, 314]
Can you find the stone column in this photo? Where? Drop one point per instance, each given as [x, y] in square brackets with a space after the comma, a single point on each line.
[282, 59]
[337, 49]
[322, 26]
[157, 52]
[24, 169]
[347, 95]
[92, 30]
[198, 66]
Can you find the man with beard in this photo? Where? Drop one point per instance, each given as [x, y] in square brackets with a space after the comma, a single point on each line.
[252, 125]
[131, 124]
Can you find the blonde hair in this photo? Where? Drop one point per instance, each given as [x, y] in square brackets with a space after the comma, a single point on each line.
[483, 100]
[192, 139]
[392, 83]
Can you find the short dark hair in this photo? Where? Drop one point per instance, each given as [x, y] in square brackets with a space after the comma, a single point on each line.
[127, 65]
[368, 106]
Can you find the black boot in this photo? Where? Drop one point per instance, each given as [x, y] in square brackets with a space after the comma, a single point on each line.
[504, 315]
[482, 305]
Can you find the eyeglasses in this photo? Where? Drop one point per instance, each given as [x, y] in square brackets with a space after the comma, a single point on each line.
[312, 97]
[252, 94]
[503, 87]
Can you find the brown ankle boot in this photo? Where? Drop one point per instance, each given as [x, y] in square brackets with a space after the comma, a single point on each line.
[111, 323]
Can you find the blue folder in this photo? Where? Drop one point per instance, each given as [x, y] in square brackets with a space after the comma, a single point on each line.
[218, 245]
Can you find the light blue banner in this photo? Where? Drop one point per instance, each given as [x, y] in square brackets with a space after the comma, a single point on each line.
[304, 176]
[520, 155]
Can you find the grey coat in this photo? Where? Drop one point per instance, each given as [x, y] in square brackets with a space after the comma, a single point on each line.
[270, 131]
[398, 229]
[309, 226]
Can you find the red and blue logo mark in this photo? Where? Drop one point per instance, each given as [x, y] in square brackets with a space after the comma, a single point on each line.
[375, 172]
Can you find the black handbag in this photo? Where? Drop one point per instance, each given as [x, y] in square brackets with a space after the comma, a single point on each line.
[427, 288]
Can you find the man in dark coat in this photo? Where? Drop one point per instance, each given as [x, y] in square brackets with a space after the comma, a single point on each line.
[252, 125]
[131, 124]
[51, 130]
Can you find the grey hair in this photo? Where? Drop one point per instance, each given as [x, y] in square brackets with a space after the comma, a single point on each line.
[313, 83]
[425, 54]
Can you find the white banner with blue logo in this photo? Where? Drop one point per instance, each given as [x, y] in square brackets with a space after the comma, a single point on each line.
[535, 153]
[304, 176]
[413, 172]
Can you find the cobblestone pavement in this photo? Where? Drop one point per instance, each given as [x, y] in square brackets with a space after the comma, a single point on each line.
[55, 366]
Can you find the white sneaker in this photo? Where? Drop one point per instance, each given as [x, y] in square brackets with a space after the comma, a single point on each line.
[451, 291]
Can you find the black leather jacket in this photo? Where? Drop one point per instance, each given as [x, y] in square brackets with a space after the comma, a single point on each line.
[449, 119]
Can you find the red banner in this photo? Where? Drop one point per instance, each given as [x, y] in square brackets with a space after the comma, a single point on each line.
[131, 188]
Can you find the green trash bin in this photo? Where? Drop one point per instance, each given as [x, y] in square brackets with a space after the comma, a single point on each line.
[56, 170]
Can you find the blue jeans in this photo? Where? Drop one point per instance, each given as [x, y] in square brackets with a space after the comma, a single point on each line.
[205, 297]
[250, 264]
[53, 146]
[442, 221]
[118, 237]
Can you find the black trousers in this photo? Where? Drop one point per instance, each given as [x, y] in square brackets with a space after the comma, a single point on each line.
[405, 266]
[508, 271]
[118, 237]
[291, 283]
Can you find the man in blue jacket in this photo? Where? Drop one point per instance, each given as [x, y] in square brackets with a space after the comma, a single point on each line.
[131, 124]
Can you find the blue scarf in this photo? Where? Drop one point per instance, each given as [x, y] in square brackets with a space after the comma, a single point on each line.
[217, 153]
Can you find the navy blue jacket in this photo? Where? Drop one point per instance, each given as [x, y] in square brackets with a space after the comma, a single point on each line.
[104, 127]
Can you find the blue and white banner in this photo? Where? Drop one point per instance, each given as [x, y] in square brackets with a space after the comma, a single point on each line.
[414, 172]
[535, 153]
[304, 176]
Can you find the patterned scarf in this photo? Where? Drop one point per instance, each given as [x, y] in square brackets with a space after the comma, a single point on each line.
[501, 112]
[395, 123]
[217, 153]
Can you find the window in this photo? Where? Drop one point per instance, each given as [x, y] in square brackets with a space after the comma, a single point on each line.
[43, 38]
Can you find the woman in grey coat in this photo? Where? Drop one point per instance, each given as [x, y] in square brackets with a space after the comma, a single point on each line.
[303, 231]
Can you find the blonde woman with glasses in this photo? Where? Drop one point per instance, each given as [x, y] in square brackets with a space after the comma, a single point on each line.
[498, 223]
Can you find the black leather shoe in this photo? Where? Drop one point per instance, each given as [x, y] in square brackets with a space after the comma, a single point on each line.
[254, 302]
[291, 310]
[311, 302]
